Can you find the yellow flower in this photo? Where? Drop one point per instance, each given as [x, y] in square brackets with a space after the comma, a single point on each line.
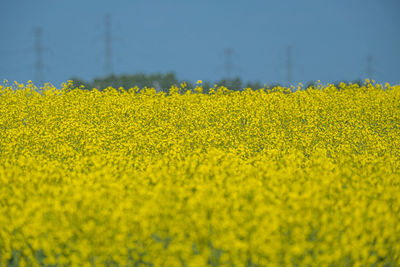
[252, 177]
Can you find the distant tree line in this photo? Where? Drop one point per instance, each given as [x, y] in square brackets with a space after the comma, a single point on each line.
[162, 82]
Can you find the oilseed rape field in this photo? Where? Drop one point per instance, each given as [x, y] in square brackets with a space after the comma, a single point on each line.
[262, 177]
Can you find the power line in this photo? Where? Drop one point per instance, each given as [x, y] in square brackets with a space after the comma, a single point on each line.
[289, 64]
[38, 49]
[108, 50]
[369, 69]
[228, 52]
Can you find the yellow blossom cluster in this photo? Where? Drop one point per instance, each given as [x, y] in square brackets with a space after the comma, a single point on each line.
[265, 177]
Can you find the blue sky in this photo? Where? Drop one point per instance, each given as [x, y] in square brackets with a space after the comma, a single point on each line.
[330, 39]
